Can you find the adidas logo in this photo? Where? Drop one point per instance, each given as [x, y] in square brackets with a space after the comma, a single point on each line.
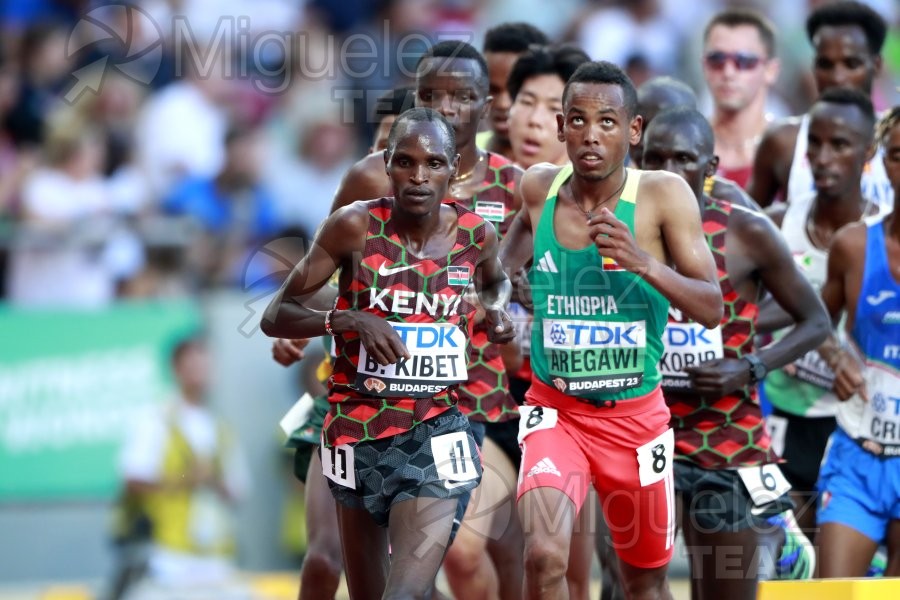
[546, 264]
[545, 465]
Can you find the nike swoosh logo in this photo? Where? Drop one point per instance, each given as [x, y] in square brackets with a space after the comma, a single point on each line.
[881, 297]
[385, 271]
[451, 485]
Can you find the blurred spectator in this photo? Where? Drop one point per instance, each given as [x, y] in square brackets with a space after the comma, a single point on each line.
[233, 210]
[304, 183]
[623, 30]
[69, 248]
[44, 70]
[181, 129]
[183, 474]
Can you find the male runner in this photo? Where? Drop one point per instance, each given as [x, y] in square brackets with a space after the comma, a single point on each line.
[847, 38]
[860, 479]
[662, 93]
[452, 78]
[396, 451]
[840, 142]
[535, 84]
[739, 66]
[503, 45]
[320, 574]
[722, 448]
[602, 238]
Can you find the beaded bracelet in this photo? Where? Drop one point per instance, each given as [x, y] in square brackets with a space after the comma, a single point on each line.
[328, 317]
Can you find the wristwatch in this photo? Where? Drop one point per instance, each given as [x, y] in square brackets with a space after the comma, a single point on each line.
[758, 369]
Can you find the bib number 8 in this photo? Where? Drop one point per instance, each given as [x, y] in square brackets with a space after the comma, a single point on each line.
[655, 458]
[535, 418]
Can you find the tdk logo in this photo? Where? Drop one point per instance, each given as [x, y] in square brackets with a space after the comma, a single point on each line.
[558, 335]
[422, 337]
[692, 337]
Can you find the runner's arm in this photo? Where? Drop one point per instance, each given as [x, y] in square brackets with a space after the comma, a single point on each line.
[770, 175]
[494, 289]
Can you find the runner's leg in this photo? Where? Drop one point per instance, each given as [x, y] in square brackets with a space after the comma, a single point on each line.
[365, 550]
[320, 575]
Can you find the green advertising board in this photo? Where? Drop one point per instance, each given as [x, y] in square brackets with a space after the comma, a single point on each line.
[72, 384]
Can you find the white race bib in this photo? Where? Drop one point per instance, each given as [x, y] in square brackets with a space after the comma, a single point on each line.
[687, 345]
[655, 458]
[437, 361]
[338, 465]
[881, 414]
[535, 418]
[777, 427]
[297, 415]
[452, 457]
[764, 483]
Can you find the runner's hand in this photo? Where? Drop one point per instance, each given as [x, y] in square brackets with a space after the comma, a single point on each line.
[379, 338]
[614, 240]
[848, 376]
[719, 377]
[287, 352]
[499, 326]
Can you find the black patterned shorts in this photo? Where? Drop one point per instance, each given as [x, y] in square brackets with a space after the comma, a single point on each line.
[716, 500]
[403, 467]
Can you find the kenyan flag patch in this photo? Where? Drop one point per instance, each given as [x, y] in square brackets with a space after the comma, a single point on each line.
[490, 211]
[458, 276]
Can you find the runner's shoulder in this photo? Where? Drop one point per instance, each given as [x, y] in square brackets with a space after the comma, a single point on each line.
[536, 182]
[365, 179]
[782, 133]
[850, 241]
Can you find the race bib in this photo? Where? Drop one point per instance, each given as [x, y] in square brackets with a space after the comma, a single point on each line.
[881, 414]
[687, 345]
[777, 427]
[764, 483]
[655, 458]
[592, 356]
[812, 369]
[490, 211]
[452, 457]
[338, 465]
[437, 360]
[535, 418]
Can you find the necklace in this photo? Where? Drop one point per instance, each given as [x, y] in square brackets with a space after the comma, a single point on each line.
[590, 213]
[460, 179]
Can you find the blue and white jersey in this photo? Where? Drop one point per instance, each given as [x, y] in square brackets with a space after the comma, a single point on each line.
[876, 333]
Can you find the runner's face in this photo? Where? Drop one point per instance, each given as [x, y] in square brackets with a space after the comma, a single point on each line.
[420, 168]
[842, 59]
[679, 149]
[450, 86]
[499, 66]
[891, 145]
[735, 86]
[597, 129]
[838, 146]
[532, 120]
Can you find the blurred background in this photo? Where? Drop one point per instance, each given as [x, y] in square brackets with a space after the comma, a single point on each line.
[163, 164]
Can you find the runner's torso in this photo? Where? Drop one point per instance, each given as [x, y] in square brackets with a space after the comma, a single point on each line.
[485, 396]
[423, 301]
[876, 333]
[725, 432]
[597, 330]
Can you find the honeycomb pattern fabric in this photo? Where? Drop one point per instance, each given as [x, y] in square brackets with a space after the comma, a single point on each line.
[727, 432]
[485, 396]
[357, 416]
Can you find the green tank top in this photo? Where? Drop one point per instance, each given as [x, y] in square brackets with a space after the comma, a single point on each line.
[597, 328]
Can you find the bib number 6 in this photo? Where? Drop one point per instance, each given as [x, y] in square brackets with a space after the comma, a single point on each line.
[535, 418]
[655, 458]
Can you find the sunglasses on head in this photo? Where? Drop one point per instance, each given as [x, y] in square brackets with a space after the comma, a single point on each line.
[741, 61]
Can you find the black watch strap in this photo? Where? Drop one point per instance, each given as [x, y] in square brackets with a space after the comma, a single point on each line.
[758, 368]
